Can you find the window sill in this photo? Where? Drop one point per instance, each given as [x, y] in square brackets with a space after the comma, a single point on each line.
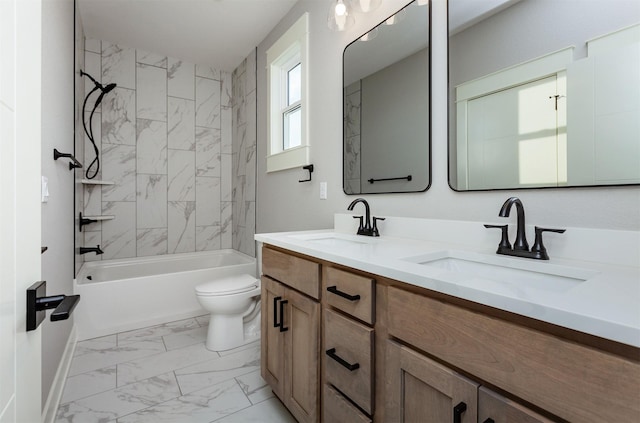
[289, 159]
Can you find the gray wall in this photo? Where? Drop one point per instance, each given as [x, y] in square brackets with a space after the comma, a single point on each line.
[283, 204]
[57, 213]
[394, 132]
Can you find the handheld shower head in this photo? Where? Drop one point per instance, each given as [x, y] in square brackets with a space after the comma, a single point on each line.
[104, 90]
[108, 88]
[89, 131]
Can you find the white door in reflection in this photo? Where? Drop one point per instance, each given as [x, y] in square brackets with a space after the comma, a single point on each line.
[515, 136]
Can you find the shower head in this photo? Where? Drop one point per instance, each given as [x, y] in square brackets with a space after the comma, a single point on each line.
[108, 88]
[104, 90]
[99, 86]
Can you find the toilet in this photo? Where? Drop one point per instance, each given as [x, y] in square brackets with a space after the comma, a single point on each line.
[234, 305]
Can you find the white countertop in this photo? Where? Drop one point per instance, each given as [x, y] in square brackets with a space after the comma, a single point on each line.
[603, 299]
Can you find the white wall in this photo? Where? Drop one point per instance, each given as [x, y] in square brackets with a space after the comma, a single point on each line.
[284, 204]
[57, 214]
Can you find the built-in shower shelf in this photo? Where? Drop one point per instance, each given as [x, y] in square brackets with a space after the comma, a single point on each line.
[105, 217]
[96, 182]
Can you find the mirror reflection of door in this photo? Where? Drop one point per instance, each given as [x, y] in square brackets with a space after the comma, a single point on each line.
[502, 135]
[513, 137]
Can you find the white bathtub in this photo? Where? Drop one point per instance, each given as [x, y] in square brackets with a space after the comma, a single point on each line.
[127, 294]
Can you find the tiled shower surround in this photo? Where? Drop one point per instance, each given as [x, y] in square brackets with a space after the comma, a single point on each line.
[173, 138]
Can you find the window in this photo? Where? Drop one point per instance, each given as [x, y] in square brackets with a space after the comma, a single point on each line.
[288, 123]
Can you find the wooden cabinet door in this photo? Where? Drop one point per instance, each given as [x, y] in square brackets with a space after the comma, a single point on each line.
[494, 408]
[302, 346]
[421, 390]
[272, 347]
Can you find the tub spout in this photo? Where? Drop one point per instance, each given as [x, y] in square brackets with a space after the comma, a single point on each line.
[96, 249]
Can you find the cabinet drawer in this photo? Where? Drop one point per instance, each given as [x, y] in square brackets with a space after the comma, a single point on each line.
[351, 293]
[574, 382]
[336, 408]
[348, 343]
[298, 273]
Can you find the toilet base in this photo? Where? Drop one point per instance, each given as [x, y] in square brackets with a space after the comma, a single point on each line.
[228, 332]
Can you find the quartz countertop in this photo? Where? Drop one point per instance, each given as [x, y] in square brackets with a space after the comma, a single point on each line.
[604, 300]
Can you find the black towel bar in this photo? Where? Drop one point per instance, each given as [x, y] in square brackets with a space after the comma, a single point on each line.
[408, 178]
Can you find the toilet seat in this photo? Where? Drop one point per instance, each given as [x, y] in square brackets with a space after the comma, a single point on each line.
[227, 286]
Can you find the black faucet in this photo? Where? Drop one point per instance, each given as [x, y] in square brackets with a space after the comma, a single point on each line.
[365, 227]
[521, 246]
[96, 249]
[521, 238]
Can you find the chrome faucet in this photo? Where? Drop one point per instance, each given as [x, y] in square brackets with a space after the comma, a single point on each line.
[520, 246]
[96, 249]
[365, 227]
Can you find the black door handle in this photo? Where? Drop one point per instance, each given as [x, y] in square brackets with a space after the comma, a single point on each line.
[282, 328]
[275, 311]
[335, 290]
[457, 412]
[351, 367]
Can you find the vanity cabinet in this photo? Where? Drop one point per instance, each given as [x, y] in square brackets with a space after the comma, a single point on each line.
[348, 334]
[395, 352]
[291, 332]
[569, 380]
[420, 389]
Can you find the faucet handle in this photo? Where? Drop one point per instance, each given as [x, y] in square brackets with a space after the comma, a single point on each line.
[361, 226]
[374, 230]
[538, 247]
[504, 242]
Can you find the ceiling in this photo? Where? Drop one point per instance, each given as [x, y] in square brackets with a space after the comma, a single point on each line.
[220, 33]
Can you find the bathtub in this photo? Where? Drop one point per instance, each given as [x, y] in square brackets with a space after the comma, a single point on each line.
[126, 294]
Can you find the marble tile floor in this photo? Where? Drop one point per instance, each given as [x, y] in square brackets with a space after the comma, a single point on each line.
[164, 373]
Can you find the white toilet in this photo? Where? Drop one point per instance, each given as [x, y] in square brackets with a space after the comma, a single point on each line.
[234, 304]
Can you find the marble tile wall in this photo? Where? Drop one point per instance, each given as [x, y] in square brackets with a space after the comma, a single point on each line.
[165, 139]
[244, 155]
[352, 138]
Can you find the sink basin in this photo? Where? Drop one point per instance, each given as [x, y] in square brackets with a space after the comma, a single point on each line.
[332, 239]
[523, 275]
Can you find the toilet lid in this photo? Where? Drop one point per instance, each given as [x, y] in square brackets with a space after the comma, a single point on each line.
[228, 285]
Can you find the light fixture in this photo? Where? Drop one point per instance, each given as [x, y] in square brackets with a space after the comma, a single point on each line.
[370, 35]
[340, 17]
[398, 17]
[365, 6]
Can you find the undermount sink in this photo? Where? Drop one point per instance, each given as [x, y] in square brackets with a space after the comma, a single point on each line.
[523, 274]
[332, 239]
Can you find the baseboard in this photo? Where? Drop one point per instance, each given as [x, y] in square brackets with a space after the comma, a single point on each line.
[57, 387]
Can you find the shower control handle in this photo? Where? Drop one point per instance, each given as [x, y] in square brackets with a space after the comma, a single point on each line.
[282, 303]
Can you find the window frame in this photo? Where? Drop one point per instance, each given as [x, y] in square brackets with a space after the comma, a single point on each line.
[284, 55]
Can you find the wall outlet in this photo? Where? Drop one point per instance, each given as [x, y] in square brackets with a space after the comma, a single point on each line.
[323, 190]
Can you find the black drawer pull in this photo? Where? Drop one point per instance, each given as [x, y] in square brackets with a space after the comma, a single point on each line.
[335, 290]
[282, 328]
[457, 412]
[332, 353]
[275, 311]
[489, 420]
